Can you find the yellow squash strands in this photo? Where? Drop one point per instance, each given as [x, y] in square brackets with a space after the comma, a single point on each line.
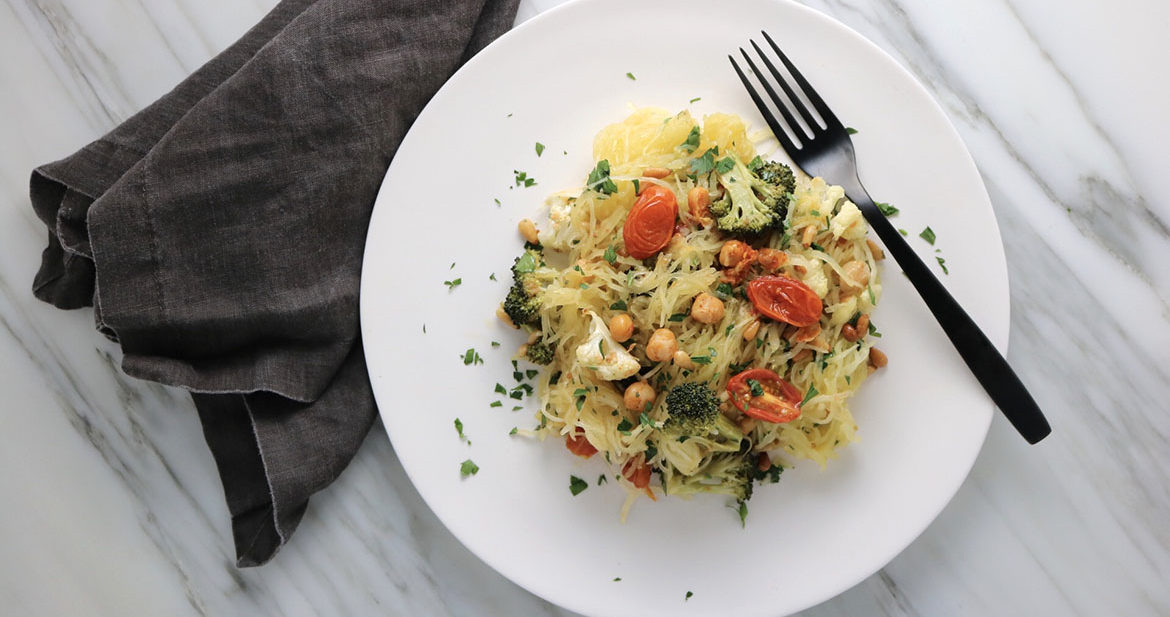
[595, 277]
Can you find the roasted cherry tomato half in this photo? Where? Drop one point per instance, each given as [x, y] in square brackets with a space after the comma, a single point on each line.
[650, 224]
[785, 299]
[773, 399]
[577, 444]
[637, 471]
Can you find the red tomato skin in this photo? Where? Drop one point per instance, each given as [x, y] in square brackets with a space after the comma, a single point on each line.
[650, 224]
[785, 299]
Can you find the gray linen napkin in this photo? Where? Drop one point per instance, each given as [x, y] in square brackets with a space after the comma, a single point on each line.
[219, 234]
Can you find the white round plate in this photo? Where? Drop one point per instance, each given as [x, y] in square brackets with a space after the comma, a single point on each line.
[557, 80]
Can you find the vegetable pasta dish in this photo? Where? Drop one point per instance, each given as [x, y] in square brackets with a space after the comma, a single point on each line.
[702, 314]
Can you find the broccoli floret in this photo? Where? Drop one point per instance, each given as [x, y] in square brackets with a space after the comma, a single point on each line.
[753, 201]
[529, 278]
[693, 410]
[540, 352]
[779, 176]
[726, 474]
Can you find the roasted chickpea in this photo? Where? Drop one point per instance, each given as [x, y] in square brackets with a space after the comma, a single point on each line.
[707, 309]
[621, 326]
[639, 395]
[661, 346]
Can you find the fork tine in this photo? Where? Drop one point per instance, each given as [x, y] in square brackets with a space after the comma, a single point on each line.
[777, 128]
[796, 102]
[779, 102]
[831, 120]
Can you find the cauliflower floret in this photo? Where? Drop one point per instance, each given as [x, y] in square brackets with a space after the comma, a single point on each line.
[602, 353]
[554, 235]
[848, 223]
[814, 275]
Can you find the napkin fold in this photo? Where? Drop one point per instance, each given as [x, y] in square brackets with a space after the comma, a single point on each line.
[219, 233]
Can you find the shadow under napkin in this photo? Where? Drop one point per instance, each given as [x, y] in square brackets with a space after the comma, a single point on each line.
[219, 234]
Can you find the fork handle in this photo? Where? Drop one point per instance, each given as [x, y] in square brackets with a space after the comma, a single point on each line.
[984, 360]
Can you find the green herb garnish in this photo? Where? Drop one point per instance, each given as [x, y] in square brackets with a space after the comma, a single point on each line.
[539, 148]
[610, 255]
[886, 208]
[724, 165]
[599, 180]
[943, 264]
[692, 142]
[468, 468]
[576, 485]
[453, 284]
[522, 179]
[928, 235]
[812, 391]
[706, 162]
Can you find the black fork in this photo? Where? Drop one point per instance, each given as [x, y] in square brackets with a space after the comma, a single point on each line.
[827, 151]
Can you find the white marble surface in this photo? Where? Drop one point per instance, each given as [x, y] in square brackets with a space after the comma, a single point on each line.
[110, 502]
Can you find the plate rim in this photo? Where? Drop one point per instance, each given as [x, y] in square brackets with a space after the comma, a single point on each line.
[999, 338]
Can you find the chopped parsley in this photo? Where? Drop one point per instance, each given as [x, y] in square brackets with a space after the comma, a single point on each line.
[723, 291]
[724, 165]
[617, 578]
[514, 431]
[677, 317]
[522, 179]
[599, 180]
[496, 404]
[696, 99]
[454, 283]
[903, 232]
[468, 468]
[493, 276]
[501, 389]
[688, 596]
[631, 76]
[471, 356]
[812, 391]
[701, 359]
[872, 297]
[539, 148]
[645, 420]
[757, 389]
[637, 186]
[602, 480]
[610, 255]
[459, 428]
[576, 485]
[625, 426]
[850, 130]
[692, 142]
[495, 344]
[620, 305]
[497, 200]
[886, 208]
[928, 235]
[742, 510]
[706, 162]
[942, 263]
